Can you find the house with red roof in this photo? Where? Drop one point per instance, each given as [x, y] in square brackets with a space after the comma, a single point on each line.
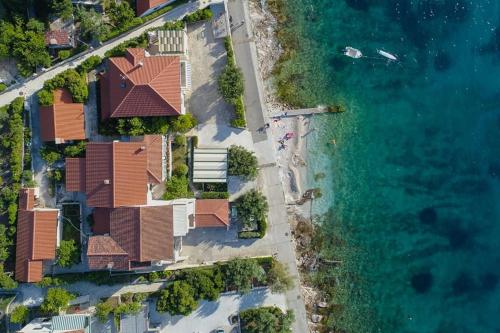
[133, 238]
[145, 7]
[60, 39]
[62, 121]
[36, 237]
[117, 174]
[141, 85]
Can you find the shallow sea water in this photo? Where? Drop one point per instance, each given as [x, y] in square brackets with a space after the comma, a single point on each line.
[414, 175]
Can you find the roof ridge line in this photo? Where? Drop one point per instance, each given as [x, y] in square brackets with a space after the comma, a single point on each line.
[113, 173]
[159, 95]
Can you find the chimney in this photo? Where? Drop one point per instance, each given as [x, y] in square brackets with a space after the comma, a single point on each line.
[140, 64]
[143, 148]
[106, 182]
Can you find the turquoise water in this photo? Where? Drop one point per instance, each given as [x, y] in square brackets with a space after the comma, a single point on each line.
[413, 180]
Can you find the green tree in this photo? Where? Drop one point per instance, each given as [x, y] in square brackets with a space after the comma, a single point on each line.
[92, 25]
[75, 150]
[89, 64]
[68, 253]
[30, 49]
[62, 8]
[64, 54]
[103, 309]
[57, 299]
[121, 14]
[5, 243]
[266, 320]
[184, 123]
[231, 85]
[6, 282]
[50, 156]
[252, 208]
[45, 97]
[177, 299]
[207, 284]
[12, 212]
[19, 315]
[176, 187]
[181, 170]
[278, 277]
[242, 162]
[240, 274]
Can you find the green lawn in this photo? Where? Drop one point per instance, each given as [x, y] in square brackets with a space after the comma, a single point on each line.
[71, 212]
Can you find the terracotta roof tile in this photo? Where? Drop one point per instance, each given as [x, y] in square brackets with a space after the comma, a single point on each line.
[157, 233]
[75, 174]
[36, 241]
[103, 250]
[145, 5]
[101, 221]
[116, 173]
[26, 198]
[154, 144]
[140, 86]
[57, 37]
[212, 213]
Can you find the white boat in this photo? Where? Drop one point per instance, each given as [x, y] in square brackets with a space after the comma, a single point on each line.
[387, 55]
[352, 52]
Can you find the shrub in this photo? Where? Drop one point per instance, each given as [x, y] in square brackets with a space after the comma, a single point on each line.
[194, 141]
[103, 309]
[215, 195]
[252, 208]
[180, 140]
[57, 299]
[181, 170]
[89, 64]
[49, 155]
[231, 84]
[183, 123]
[19, 315]
[45, 97]
[240, 274]
[68, 253]
[266, 319]
[278, 277]
[177, 299]
[75, 150]
[177, 187]
[248, 234]
[12, 212]
[242, 162]
[6, 282]
[174, 25]
[69, 79]
[64, 54]
[5, 243]
[207, 283]
[50, 282]
[3, 86]
[199, 15]
[239, 114]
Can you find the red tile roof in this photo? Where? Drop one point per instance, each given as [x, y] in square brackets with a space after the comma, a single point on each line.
[141, 86]
[212, 213]
[57, 38]
[26, 198]
[116, 173]
[103, 250]
[62, 121]
[154, 144]
[143, 233]
[101, 221]
[36, 240]
[145, 5]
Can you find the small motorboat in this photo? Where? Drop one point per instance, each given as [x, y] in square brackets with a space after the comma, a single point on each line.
[352, 52]
[387, 55]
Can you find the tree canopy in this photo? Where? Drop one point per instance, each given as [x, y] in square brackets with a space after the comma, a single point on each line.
[278, 277]
[62, 8]
[208, 284]
[183, 123]
[252, 208]
[57, 299]
[242, 162]
[241, 273]
[68, 253]
[231, 85]
[266, 320]
[19, 315]
[177, 299]
[6, 282]
[92, 25]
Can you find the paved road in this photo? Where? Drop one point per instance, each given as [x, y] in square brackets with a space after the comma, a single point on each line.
[212, 315]
[34, 84]
[279, 234]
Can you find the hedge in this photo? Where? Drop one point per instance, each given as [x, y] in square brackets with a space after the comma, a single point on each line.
[89, 64]
[69, 79]
[215, 195]
[249, 234]
[199, 15]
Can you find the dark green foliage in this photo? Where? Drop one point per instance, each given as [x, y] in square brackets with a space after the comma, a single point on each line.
[199, 15]
[122, 18]
[181, 170]
[48, 281]
[89, 64]
[5, 243]
[19, 315]
[177, 299]
[50, 155]
[207, 283]
[215, 195]
[134, 126]
[194, 141]
[252, 210]
[68, 253]
[69, 79]
[62, 8]
[177, 187]
[239, 114]
[14, 138]
[248, 234]
[92, 24]
[64, 54]
[6, 282]
[12, 212]
[119, 51]
[180, 140]
[231, 84]
[241, 273]
[266, 320]
[174, 25]
[103, 309]
[25, 42]
[3, 86]
[242, 162]
[75, 150]
[163, 10]
[57, 299]
[183, 123]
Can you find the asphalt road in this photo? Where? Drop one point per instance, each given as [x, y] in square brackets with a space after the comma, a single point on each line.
[279, 233]
[34, 84]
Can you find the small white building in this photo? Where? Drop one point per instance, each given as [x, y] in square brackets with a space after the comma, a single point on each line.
[210, 165]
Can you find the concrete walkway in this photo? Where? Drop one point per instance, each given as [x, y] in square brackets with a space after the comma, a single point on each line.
[35, 83]
[278, 235]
